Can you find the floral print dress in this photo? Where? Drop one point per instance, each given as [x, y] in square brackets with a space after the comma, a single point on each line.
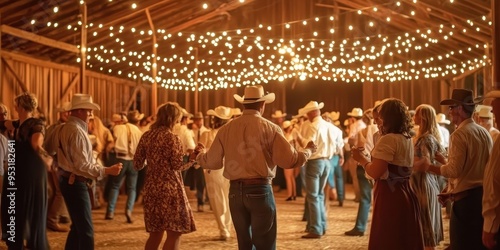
[166, 206]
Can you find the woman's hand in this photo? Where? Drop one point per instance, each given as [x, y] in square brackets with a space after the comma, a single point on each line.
[358, 155]
[421, 163]
[440, 158]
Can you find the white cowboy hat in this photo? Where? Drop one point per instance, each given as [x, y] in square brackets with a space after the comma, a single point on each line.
[185, 113]
[278, 114]
[236, 111]
[312, 105]
[441, 119]
[83, 101]
[135, 116]
[299, 115]
[356, 112]
[286, 124]
[254, 94]
[119, 118]
[66, 106]
[486, 112]
[335, 115]
[479, 107]
[222, 112]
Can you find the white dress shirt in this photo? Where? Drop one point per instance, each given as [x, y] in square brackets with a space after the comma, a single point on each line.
[127, 137]
[445, 136]
[326, 137]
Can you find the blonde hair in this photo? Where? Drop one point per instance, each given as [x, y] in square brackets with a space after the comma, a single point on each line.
[100, 132]
[167, 115]
[27, 101]
[428, 124]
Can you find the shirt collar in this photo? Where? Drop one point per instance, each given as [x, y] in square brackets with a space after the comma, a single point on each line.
[251, 112]
[465, 122]
[79, 122]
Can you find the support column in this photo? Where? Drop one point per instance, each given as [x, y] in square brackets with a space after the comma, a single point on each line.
[196, 94]
[83, 42]
[154, 66]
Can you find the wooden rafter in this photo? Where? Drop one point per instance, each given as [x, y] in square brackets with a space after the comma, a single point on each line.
[38, 39]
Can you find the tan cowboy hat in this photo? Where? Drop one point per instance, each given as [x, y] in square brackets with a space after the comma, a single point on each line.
[119, 118]
[299, 115]
[66, 106]
[441, 119]
[486, 112]
[134, 116]
[335, 115]
[312, 105]
[254, 94]
[479, 107]
[236, 111]
[286, 124]
[356, 112]
[278, 114]
[461, 97]
[83, 101]
[222, 112]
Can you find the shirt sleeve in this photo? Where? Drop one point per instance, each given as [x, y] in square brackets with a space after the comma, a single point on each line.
[78, 154]
[285, 155]
[213, 158]
[385, 149]
[456, 157]
[491, 191]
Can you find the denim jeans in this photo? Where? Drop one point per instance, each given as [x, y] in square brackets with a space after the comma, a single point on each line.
[336, 177]
[131, 182]
[303, 181]
[365, 188]
[253, 211]
[316, 176]
[76, 196]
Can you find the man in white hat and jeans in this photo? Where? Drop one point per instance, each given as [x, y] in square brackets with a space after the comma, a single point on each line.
[76, 167]
[249, 147]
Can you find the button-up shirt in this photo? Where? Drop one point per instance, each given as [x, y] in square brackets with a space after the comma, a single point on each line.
[469, 151]
[186, 135]
[251, 147]
[326, 136]
[76, 156]
[127, 138]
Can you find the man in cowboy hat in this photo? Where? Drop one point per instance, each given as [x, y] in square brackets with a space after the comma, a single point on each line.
[470, 146]
[356, 125]
[76, 167]
[329, 142]
[250, 147]
[491, 187]
[485, 118]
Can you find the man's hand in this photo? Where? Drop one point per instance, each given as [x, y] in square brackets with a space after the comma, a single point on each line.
[489, 240]
[310, 145]
[421, 163]
[114, 170]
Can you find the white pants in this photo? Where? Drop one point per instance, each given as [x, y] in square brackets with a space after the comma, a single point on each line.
[218, 195]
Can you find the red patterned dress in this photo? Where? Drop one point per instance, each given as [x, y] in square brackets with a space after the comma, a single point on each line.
[166, 206]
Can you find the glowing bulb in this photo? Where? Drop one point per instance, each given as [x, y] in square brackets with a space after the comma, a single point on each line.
[205, 6]
[56, 9]
[134, 5]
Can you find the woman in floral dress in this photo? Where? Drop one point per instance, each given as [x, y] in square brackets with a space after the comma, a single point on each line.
[166, 206]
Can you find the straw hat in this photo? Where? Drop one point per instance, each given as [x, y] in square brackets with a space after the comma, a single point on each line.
[254, 94]
[83, 101]
[222, 112]
[486, 112]
[356, 112]
[286, 124]
[493, 94]
[461, 97]
[66, 106]
[278, 114]
[441, 119]
[312, 105]
[335, 115]
[236, 111]
[479, 107]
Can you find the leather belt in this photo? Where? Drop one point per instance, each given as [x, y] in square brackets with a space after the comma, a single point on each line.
[251, 182]
[68, 174]
[121, 155]
[320, 158]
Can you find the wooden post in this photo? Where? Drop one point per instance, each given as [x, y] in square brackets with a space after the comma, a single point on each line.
[196, 102]
[495, 13]
[154, 66]
[83, 42]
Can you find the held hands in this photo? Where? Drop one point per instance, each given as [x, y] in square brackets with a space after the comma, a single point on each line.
[200, 148]
[358, 155]
[440, 158]
[114, 170]
[421, 163]
[310, 145]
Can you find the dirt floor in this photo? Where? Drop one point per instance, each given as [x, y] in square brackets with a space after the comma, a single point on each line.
[117, 234]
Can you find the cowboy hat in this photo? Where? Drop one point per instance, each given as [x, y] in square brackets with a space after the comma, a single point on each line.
[299, 115]
[83, 101]
[461, 97]
[356, 112]
[312, 105]
[486, 112]
[222, 112]
[479, 107]
[286, 124]
[119, 118]
[236, 111]
[185, 113]
[493, 94]
[66, 106]
[134, 116]
[278, 114]
[441, 119]
[335, 115]
[254, 94]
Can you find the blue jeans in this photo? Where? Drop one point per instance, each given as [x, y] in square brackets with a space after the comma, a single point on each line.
[316, 176]
[365, 188]
[303, 180]
[131, 182]
[253, 211]
[336, 177]
[76, 196]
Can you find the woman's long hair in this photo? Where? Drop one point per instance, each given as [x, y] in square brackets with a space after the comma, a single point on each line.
[395, 117]
[428, 124]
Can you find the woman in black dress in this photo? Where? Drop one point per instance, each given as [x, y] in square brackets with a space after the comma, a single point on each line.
[24, 197]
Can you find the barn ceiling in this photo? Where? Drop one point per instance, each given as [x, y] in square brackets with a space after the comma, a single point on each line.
[213, 44]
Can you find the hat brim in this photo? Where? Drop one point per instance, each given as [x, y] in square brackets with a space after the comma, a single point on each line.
[447, 122]
[493, 94]
[212, 112]
[448, 102]
[91, 106]
[306, 110]
[278, 116]
[269, 98]
[353, 115]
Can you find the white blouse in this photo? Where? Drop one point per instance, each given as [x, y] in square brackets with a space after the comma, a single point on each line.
[395, 149]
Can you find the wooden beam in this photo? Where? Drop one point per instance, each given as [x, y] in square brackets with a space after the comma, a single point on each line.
[132, 98]
[19, 81]
[83, 43]
[154, 65]
[38, 39]
[68, 88]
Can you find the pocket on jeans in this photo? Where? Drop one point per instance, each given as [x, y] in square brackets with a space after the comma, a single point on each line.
[257, 196]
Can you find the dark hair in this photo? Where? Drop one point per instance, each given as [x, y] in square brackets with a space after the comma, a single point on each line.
[395, 117]
[254, 106]
[167, 115]
[468, 109]
[218, 122]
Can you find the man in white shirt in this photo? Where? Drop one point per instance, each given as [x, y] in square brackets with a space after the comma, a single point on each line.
[355, 126]
[445, 134]
[127, 138]
[491, 186]
[470, 147]
[317, 168]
